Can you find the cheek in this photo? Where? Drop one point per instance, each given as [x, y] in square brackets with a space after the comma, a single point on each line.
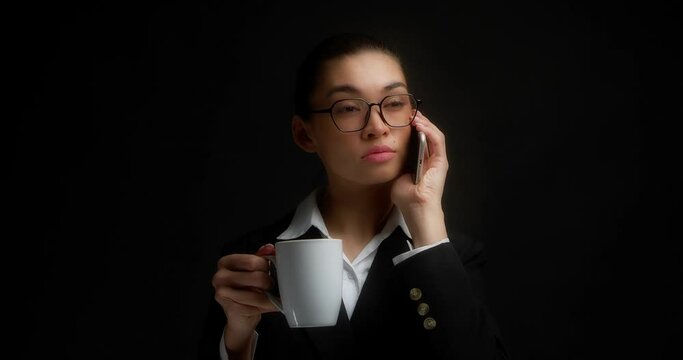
[334, 147]
[337, 151]
[322, 136]
[402, 140]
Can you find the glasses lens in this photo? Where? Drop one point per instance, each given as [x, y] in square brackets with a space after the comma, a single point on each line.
[349, 115]
[399, 110]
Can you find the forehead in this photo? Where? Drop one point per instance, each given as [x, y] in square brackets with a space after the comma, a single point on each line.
[367, 70]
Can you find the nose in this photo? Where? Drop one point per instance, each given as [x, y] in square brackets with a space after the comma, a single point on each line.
[376, 126]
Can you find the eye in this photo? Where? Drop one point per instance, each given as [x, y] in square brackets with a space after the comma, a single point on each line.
[393, 104]
[347, 108]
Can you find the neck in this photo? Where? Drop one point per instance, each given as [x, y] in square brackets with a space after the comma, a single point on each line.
[355, 214]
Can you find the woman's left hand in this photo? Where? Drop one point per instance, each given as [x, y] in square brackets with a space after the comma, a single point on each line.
[420, 203]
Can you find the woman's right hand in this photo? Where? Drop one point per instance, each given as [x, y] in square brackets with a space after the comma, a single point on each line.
[240, 284]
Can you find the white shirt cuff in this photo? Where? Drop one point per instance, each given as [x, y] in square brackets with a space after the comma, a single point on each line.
[398, 258]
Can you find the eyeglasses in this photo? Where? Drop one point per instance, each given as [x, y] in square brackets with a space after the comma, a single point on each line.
[351, 115]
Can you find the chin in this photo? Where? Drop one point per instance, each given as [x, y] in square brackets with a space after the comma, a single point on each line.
[379, 177]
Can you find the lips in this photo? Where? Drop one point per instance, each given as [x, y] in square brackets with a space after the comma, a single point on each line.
[379, 149]
[379, 153]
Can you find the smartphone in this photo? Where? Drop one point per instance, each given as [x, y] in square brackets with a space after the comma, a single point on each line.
[417, 152]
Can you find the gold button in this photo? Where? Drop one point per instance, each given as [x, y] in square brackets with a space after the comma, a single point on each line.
[415, 294]
[423, 309]
[429, 323]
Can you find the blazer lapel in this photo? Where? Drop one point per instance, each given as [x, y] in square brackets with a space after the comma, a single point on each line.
[365, 320]
[334, 342]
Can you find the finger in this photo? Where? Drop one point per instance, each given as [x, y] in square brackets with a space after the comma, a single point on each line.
[421, 119]
[424, 119]
[242, 279]
[243, 262]
[435, 138]
[232, 309]
[252, 298]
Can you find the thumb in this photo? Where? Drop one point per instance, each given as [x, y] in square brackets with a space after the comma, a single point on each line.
[267, 249]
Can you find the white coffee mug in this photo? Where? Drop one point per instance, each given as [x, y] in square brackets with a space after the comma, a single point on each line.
[309, 277]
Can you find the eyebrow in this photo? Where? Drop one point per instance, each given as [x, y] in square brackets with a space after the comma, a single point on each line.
[351, 89]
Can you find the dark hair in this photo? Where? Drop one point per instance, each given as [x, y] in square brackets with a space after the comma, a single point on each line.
[330, 48]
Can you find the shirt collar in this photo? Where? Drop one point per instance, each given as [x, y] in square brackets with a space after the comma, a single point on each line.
[307, 214]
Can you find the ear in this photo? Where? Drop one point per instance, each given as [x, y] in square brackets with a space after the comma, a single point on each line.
[300, 134]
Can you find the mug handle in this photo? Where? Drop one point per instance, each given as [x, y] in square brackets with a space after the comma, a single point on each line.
[271, 296]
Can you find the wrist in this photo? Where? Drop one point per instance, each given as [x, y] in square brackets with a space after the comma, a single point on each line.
[427, 226]
[238, 339]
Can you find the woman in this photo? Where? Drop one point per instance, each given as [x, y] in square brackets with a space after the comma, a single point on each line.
[411, 289]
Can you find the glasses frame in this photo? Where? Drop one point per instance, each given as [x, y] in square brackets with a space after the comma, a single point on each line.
[367, 116]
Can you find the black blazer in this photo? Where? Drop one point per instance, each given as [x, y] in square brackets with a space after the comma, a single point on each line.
[427, 307]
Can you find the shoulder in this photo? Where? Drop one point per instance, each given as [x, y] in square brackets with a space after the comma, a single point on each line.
[251, 240]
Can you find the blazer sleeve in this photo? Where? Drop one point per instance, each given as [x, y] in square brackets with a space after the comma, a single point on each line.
[440, 308]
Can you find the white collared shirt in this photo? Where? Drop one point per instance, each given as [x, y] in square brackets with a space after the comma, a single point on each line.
[307, 214]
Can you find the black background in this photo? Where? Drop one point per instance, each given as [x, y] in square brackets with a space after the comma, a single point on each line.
[149, 133]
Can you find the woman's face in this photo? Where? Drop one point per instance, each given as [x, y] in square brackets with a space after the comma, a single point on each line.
[375, 154]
